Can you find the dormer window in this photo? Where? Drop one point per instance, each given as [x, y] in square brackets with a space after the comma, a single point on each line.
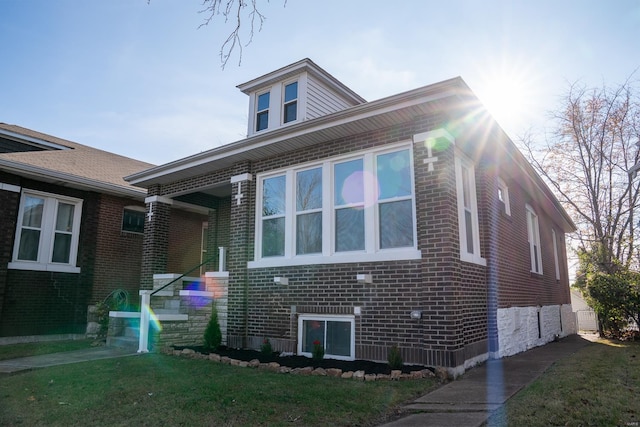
[262, 112]
[290, 102]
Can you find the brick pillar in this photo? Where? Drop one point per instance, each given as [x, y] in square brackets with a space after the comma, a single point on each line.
[155, 244]
[240, 252]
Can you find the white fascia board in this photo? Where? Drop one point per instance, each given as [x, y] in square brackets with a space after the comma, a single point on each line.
[71, 180]
[20, 137]
[353, 114]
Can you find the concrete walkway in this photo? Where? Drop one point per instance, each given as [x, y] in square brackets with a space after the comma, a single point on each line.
[471, 399]
[13, 366]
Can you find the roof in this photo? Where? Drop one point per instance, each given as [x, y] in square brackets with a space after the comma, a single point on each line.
[69, 163]
[449, 96]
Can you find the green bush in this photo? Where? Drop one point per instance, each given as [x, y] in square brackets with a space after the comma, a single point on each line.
[266, 347]
[213, 334]
[318, 351]
[395, 358]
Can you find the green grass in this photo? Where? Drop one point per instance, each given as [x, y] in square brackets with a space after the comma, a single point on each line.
[597, 386]
[14, 351]
[156, 389]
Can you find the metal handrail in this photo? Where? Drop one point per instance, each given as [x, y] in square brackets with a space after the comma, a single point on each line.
[182, 275]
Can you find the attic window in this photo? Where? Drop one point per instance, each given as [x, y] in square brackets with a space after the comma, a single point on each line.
[262, 112]
[290, 102]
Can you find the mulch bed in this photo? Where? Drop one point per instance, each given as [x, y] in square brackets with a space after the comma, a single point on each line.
[302, 362]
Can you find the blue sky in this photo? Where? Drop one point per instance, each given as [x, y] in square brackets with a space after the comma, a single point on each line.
[140, 79]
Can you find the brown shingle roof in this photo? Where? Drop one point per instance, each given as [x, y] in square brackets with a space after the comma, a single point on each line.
[80, 163]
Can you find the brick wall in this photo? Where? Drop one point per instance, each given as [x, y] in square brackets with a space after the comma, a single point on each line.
[185, 240]
[452, 295]
[118, 253]
[37, 302]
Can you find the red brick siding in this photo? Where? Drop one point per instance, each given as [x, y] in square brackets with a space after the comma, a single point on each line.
[118, 253]
[185, 240]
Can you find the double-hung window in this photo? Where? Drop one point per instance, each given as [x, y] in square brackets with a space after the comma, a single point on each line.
[344, 209]
[290, 106]
[47, 232]
[467, 211]
[262, 111]
[533, 231]
[503, 196]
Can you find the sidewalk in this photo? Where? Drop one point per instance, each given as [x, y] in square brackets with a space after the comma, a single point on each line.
[12, 366]
[471, 399]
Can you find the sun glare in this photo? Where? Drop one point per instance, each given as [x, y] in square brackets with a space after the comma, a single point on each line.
[508, 92]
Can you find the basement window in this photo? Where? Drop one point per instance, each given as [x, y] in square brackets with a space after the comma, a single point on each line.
[335, 333]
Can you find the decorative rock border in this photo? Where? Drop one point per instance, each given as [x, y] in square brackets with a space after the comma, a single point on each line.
[396, 375]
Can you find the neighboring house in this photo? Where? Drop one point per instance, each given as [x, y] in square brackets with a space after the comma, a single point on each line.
[411, 220]
[586, 317]
[71, 231]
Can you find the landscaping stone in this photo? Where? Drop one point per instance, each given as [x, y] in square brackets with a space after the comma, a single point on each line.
[395, 374]
[215, 357]
[442, 374]
[358, 375]
[370, 377]
[243, 364]
[302, 371]
[273, 366]
[319, 372]
[226, 360]
[383, 377]
[334, 372]
[254, 363]
[427, 373]
[234, 362]
[188, 351]
[284, 369]
[347, 375]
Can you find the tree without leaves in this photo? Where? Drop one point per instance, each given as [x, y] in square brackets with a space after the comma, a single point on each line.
[586, 160]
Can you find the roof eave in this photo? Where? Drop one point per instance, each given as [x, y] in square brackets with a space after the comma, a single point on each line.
[69, 180]
[446, 89]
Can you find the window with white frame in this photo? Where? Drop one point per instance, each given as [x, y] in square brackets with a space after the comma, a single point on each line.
[556, 258]
[533, 231]
[503, 196]
[336, 334]
[356, 207]
[467, 211]
[290, 106]
[47, 232]
[262, 111]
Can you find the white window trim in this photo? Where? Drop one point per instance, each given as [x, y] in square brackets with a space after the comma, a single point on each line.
[555, 253]
[268, 110]
[283, 102]
[474, 257]
[45, 246]
[533, 236]
[328, 317]
[505, 195]
[372, 251]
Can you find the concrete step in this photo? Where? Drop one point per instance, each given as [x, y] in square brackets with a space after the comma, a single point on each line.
[132, 332]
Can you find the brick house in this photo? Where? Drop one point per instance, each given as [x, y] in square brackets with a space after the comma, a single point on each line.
[411, 220]
[71, 231]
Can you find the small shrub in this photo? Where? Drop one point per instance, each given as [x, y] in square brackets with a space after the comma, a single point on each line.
[266, 348]
[213, 334]
[395, 358]
[318, 351]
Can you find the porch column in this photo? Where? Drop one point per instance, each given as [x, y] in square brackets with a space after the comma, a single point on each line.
[240, 237]
[155, 243]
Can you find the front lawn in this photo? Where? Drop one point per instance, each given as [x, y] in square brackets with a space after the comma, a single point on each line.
[156, 389]
[597, 386]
